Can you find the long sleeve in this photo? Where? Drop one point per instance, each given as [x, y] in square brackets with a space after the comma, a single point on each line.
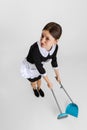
[54, 62]
[37, 61]
[54, 58]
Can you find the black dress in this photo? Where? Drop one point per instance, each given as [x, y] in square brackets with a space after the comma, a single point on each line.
[33, 65]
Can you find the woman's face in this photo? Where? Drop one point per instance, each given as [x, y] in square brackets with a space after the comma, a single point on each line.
[47, 40]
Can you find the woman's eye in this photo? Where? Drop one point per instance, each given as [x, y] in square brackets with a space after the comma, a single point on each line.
[42, 36]
[47, 38]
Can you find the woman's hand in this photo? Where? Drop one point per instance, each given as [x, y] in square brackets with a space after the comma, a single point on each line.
[58, 79]
[57, 75]
[50, 85]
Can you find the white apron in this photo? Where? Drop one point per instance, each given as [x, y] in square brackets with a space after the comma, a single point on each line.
[29, 70]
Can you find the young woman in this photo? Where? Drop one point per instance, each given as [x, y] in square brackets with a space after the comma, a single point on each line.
[40, 52]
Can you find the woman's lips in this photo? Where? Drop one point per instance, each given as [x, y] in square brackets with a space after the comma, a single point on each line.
[42, 44]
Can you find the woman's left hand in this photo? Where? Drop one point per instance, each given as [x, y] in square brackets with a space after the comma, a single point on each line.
[58, 79]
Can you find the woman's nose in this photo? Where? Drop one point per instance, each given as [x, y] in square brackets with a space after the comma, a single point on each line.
[43, 40]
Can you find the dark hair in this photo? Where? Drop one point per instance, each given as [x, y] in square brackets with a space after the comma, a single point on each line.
[54, 29]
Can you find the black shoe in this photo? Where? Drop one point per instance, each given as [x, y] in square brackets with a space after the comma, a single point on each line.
[41, 92]
[36, 92]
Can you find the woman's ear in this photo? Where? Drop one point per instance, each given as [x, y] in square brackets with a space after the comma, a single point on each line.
[56, 41]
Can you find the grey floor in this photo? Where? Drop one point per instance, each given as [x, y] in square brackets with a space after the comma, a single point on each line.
[21, 110]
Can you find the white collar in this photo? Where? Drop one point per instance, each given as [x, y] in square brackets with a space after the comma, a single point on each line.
[44, 52]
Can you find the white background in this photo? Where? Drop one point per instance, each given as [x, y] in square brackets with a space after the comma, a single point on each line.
[21, 22]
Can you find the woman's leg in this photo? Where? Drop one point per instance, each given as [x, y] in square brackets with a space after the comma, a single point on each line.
[34, 86]
[39, 88]
[39, 83]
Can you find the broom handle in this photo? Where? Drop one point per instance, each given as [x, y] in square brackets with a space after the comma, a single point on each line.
[65, 91]
[56, 101]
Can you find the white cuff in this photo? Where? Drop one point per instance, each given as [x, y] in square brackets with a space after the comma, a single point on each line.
[55, 68]
[44, 74]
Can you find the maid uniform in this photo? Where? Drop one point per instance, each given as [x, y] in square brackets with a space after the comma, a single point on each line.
[32, 67]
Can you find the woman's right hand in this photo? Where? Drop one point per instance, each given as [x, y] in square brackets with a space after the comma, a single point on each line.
[50, 85]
